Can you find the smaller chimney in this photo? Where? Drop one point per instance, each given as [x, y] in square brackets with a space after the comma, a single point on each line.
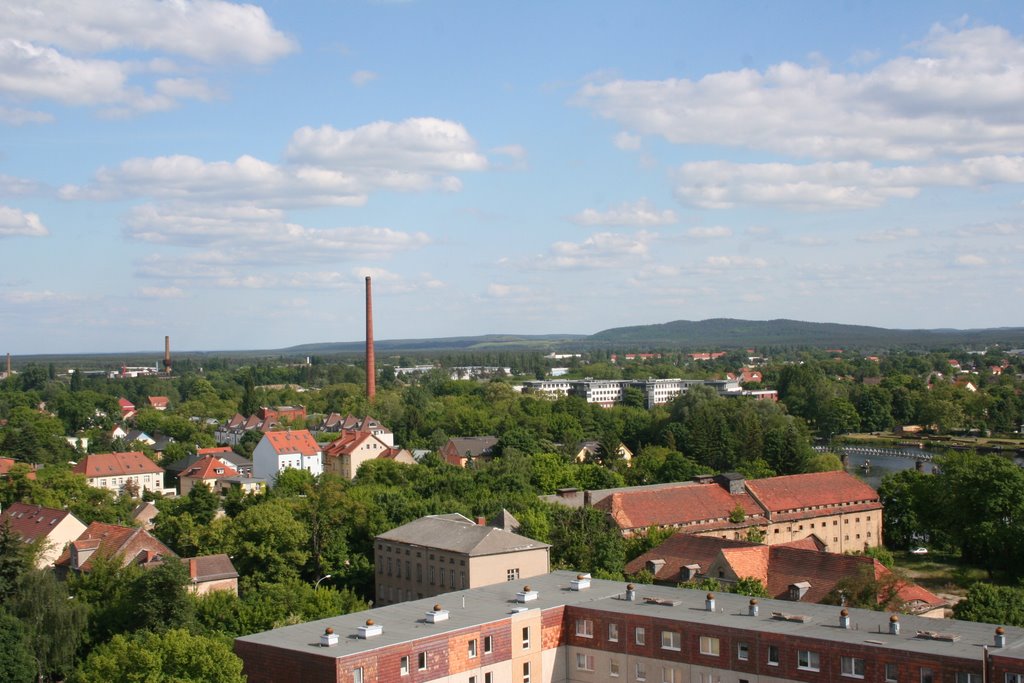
[894, 625]
[481, 521]
[844, 618]
[370, 630]
[329, 638]
[587, 499]
[630, 592]
[580, 583]
[753, 608]
[1000, 637]
[437, 615]
[709, 602]
[527, 595]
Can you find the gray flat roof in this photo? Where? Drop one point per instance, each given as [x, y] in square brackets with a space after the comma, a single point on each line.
[404, 622]
[455, 533]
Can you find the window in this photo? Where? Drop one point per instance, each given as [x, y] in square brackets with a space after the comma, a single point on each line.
[743, 651]
[488, 645]
[853, 666]
[526, 637]
[389, 566]
[641, 671]
[419, 572]
[892, 674]
[668, 674]
[773, 655]
[967, 677]
[430, 572]
[357, 675]
[709, 646]
[669, 640]
[585, 628]
[807, 660]
[472, 679]
[1011, 678]
[472, 649]
[403, 667]
[584, 662]
[488, 677]
[526, 672]
[421, 661]
[613, 633]
[640, 635]
[512, 575]
[927, 675]
[613, 668]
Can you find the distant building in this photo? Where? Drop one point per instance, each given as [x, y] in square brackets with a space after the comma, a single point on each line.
[52, 529]
[292, 449]
[210, 573]
[459, 451]
[113, 471]
[656, 392]
[441, 553]
[209, 471]
[131, 545]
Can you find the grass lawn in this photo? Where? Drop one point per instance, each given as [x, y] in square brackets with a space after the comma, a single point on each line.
[941, 573]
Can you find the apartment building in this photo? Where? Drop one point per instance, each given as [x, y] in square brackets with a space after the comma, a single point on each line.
[441, 553]
[567, 628]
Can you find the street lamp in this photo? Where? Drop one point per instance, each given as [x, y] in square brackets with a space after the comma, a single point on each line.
[317, 584]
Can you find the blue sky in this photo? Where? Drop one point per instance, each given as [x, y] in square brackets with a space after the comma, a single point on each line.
[228, 173]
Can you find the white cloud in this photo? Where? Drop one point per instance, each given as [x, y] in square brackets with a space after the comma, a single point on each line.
[162, 293]
[15, 222]
[891, 235]
[627, 141]
[361, 78]
[428, 145]
[640, 214]
[599, 251]
[990, 230]
[709, 232]
[210, 31]
[18, 117]
[832, 185]
[502, 291]
[960, 94]
[25, 296]
[514, 152]
[970, 260]
[718, 262]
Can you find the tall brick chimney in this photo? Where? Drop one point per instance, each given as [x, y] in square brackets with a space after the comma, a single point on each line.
[167, 354]
[8, 364]
[371, 365]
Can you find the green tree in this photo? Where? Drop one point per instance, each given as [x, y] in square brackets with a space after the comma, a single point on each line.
[54, 622]
[161, 599]
[906, 499]
[16, 558]
[992, 604]
[17, 665]
[267, 541]
[175, 655]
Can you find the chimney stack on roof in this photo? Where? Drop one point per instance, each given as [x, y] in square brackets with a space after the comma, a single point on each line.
[371, 369]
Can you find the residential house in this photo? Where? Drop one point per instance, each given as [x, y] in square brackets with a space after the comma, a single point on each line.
[223, 453]
[52, 529]
[127, 408]
[800, 571]
[131, 545]
[344, 455]
[210, 573]
[159, 402]
[209, 470]
[462, 450]
[565, 627]
[7, 463]
[113, 471]
[441, 553]
[144, 513]
[592, 451]
[278, 451]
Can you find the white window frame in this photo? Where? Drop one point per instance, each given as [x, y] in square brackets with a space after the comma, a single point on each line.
[584, 627]
[808, 660]
[640, 635]
[671, 640]
[743, 651]
[927, 674]
[848, 666]
[613, 668]
[613, 632]
[967, 677]
[640, 669]
[526, 637]
[421, 661]
[357, 675]
[471, 648]
[527, 672]
[895, 669]
[584, 661]
[710, 646]
[403, 665]
[488, 644]
[1009, 677]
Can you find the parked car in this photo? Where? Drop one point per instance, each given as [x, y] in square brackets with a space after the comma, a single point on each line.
[920, 550]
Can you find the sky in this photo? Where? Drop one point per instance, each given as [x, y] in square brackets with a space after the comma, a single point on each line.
[228, 174]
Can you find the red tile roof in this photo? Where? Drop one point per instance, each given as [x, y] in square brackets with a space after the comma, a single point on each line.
[159, 401]
[209, 467]
[116, 465]
[293, 441]
[681, 549]
[131, 544]
[800, 491]
[7, 463]
[214, 450]
[686, 504]
[32, 521]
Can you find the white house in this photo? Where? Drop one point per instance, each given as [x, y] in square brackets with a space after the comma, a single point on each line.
[278, 451]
